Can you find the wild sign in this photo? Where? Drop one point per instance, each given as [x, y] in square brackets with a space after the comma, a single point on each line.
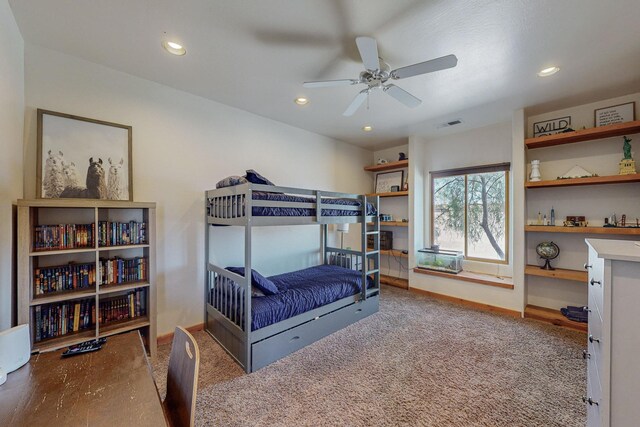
[550, 127]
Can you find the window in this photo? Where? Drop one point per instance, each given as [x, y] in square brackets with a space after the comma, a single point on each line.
[470, 211]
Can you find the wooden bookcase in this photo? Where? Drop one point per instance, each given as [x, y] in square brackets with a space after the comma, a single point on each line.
[396, 254]
[560, 274]
[52, 212]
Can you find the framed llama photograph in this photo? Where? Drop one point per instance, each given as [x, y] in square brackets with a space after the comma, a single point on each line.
[81, 158]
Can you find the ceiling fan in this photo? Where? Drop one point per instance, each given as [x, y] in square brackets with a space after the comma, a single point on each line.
[377, 73]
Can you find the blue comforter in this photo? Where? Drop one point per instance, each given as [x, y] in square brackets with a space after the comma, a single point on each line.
[304, 290]
[286, 211]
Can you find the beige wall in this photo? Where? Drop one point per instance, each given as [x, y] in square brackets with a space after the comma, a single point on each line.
[11, 129]
[182, 145]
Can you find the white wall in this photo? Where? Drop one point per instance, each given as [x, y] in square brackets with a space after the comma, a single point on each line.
[594, 202]
[182, 145]
[398, 207]
[11, 129]
[487, 145]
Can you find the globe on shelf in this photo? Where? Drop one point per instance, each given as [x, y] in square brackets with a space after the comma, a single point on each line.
[547, 251]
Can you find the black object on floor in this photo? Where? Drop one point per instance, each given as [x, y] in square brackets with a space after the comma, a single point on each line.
[577, 314]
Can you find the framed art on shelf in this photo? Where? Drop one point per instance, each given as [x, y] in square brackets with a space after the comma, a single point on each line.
[386, 181]
[621, 113]
[83, 158]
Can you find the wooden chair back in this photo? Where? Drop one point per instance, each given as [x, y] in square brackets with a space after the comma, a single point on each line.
[182, 379]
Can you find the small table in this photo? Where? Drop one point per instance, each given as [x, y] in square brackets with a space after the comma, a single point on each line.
[109, 387]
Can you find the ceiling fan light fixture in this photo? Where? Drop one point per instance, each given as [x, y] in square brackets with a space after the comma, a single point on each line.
[174, 48]
[549, 71]
[301, 100]
[367, 128]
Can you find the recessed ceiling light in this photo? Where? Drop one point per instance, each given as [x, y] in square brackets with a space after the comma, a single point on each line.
[367, 128]
[174, 48]
[301, 100]
[548, 71]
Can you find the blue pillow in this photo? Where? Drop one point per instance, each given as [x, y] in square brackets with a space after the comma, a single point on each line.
[255, 178]
[230, 181]
[257, 280]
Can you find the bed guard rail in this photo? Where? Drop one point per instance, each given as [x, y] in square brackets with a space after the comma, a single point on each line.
[230, 205]
[226, 293]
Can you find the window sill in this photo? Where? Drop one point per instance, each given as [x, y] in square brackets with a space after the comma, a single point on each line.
[466, 276]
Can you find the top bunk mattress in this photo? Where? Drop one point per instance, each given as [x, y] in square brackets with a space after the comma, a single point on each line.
[288, 211]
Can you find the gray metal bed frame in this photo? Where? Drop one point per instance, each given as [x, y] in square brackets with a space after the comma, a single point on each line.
[230, 323]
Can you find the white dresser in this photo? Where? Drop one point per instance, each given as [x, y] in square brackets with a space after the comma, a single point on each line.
[613, 346]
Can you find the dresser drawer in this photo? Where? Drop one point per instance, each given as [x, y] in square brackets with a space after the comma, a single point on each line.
[595, 324]
[594, 392]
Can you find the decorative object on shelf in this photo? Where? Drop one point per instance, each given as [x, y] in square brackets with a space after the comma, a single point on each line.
[405, 185]
[577, 172]
[627, 164]
[83, 158]
[382, 161]
[386, 240]
[575, 221]
[438, 259]
[395, 188]
[567, 130]
[550, 127]
[402, 156]
[539, 219]
[386, 180]
[535, 171]
[553, 216]
[386, 217]
[547, 251]
[621, 113]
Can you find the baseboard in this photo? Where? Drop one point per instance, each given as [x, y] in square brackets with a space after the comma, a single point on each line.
[168, 338]
[467, 303]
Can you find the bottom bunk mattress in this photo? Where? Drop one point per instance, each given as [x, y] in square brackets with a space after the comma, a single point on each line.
[302, 291]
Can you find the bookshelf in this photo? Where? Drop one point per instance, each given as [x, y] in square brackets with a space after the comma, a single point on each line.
[396, 203]
[86, 269]
[568, 284]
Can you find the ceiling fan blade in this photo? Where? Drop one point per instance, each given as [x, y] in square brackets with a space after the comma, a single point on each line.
[331, 83]
[356, 103]
[368, 48]
[437, 64]
[403, 96]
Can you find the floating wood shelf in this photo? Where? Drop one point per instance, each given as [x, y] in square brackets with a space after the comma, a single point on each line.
[392, 252]
[558, 273]
[583, 230]
[552, 316]
[392, 194]
[466, 276]
[400, 164]
[594, 180]
[394, 281]
[601, 132]
[392, 223]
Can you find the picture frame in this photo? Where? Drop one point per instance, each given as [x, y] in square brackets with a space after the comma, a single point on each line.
[79, 157]
[621, 113]
[386, 180]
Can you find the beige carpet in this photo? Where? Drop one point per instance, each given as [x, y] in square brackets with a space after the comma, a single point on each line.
[418, 361]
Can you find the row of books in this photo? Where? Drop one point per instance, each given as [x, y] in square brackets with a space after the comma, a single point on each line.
[63, 236]
[59, 319]
[121, 270]
[64, 278]
[121, 233]
[124, 307]
[55, 320]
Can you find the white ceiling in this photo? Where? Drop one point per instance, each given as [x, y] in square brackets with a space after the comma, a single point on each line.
[254, 55]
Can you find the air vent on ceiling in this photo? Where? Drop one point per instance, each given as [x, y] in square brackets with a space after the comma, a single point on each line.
[450, 123]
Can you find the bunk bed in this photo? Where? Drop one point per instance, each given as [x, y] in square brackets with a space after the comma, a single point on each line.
[305, 305]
